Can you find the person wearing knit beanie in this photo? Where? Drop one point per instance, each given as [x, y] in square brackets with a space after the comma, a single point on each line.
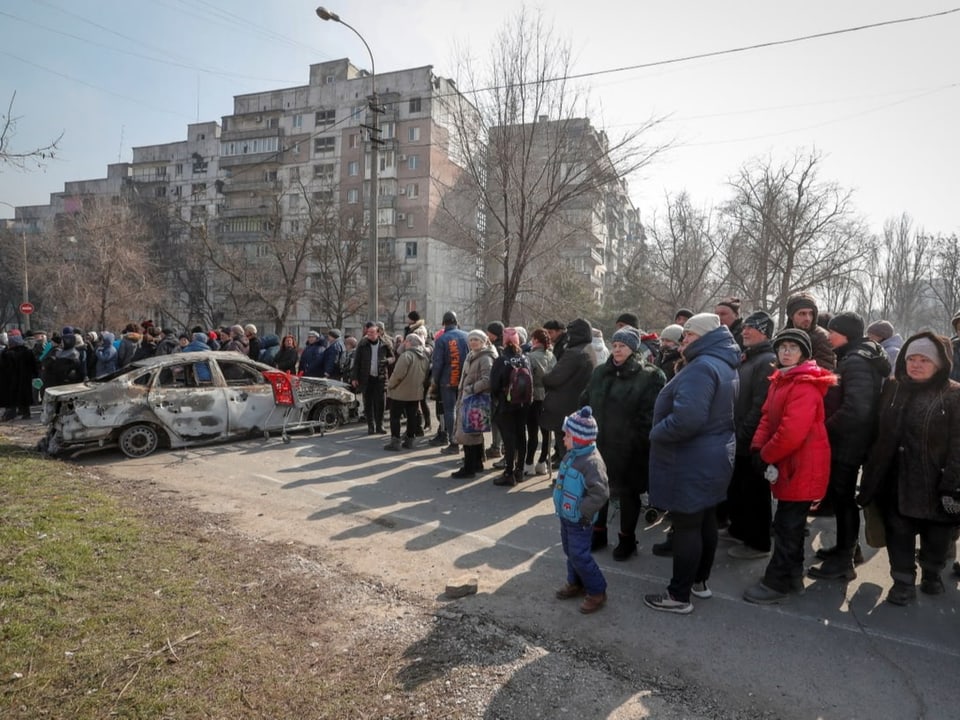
[672, 333]
[581, 426]
[925, 347]
[627, 319]
[760, 321]
[580, 491]
[880, 330]
[478, 335]
[511, 336]
[701, 323]
[629, 336]
[495, 333]
[848, 324]
[798, 337]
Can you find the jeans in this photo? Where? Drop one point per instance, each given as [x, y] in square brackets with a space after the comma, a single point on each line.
[373, 402]
[582, 569]
[448, 396]
[694, 547]
[935, 539]
[785, 568]
[748, 503]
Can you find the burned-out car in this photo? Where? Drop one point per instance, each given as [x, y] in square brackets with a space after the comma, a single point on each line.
[188, 399]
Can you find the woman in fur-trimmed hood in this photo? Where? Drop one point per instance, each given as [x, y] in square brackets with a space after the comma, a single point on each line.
[913, 470]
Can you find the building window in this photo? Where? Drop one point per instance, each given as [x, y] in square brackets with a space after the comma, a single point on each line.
[326, 117]
[413, 162]
[323, 196]
[198, 189]
[160, 191]
[178, 169]
[273, 122]
[324, 145]
[388, 130]
[248, 147]
[413, 134]
[160, 172]
[386, 160]
[294, 226]
[353, 196]
[354, 141]
[324, 173]
[410, 220]
[411, 249]
[269, 175]
[353, 168]
[413, 190]
[294, 201]
[298, 121]
[295, 174]
[414, 105]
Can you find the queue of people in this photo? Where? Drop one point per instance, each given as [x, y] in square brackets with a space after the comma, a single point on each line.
[710, 420]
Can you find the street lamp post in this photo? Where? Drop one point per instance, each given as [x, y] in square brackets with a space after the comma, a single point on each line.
[372, 276]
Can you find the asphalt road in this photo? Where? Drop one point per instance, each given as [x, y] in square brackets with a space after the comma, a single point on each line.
[838, 651]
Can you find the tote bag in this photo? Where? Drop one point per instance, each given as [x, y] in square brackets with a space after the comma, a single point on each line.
[475, 414]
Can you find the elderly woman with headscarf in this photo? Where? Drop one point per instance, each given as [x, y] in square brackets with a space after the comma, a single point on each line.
[913, 470]
[474, 380]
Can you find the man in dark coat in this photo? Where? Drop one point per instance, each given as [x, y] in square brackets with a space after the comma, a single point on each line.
[748, 498]
[370, 375]
[557, 332]
[566, 381]
[802, 313]
[852, 408]
[332, 360]
[18, 368]
[728, 310]
[311, 359]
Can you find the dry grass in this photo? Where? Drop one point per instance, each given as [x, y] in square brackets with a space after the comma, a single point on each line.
[114, 607]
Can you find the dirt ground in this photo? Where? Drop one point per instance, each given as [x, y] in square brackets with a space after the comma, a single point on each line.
[394, 654]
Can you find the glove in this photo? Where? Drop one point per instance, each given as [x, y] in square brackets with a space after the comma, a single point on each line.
[771, 474]
[950, 504]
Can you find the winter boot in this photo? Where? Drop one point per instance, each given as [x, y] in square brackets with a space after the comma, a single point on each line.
[408, 443]
[626, 547]
[394, 445]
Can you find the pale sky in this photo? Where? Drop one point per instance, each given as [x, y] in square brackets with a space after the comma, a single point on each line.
[878, 103]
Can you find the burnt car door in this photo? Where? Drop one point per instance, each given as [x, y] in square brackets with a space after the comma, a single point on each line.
[250, 400]
[189, 403]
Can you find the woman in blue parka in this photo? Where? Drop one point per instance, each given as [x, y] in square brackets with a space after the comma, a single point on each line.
[692, 449]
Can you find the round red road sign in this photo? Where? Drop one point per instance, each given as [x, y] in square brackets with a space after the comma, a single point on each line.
[26, 308]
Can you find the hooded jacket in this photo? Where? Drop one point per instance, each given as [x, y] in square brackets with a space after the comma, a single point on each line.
[106, 356]
[569, 376]
[819, 338]
[916, 457]
[851, 405]
[409, 372]
[692, 442]
[474, 379]
[269, 348]
[792, 436]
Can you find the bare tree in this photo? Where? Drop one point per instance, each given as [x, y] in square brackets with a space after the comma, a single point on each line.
[339, 254]
[790, 231]
[683, 267]
[944, 281]
[534, 166]
[22, 159]
[98, 267]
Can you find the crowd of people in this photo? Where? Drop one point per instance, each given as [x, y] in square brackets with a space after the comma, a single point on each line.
[709, 421]
[718, 420]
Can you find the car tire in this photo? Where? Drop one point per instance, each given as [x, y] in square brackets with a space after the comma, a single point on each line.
[327, 415]
[139, 440]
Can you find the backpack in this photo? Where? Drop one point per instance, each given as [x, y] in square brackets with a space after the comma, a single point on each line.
[520, 385]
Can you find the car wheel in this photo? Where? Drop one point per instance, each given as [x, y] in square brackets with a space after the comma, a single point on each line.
[139, 440]
[327, 415]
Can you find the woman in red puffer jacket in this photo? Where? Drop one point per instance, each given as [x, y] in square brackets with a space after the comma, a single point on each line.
[792, 442]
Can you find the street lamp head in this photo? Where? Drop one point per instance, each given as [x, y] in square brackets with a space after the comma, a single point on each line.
[325, 14]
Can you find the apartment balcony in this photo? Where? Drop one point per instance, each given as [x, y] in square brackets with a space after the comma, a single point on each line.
[256, 185]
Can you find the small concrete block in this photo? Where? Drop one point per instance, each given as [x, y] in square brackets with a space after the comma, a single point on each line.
[461, 586]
